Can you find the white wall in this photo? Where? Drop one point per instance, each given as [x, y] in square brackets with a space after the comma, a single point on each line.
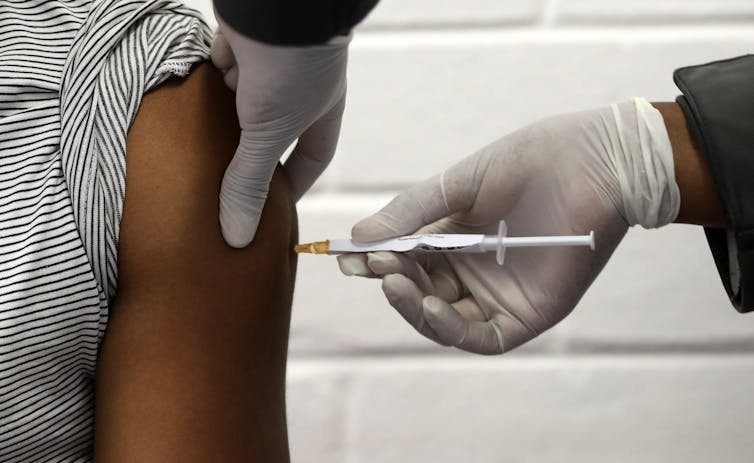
[654, 365]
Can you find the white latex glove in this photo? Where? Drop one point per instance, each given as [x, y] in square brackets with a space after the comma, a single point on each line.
[282, 93]
[601, 170]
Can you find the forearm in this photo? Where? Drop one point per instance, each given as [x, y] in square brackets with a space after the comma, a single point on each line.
[699, 201]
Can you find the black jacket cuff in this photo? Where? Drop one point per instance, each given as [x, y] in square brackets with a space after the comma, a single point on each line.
[293, 22]
[718, 100]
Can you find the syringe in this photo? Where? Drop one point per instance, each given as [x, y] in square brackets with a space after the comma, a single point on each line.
[447, 243]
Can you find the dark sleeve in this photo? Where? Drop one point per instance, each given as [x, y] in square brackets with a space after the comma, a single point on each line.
[293, 22]
[718, 100]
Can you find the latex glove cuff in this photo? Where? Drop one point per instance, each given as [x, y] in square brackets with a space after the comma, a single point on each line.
[642, 158]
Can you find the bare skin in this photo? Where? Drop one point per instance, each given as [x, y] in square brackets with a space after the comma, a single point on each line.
[192, 367]
[700, 204]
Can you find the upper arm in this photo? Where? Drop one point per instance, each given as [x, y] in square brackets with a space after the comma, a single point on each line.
[192, 367]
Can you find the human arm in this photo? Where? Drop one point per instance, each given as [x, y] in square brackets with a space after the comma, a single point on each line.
[699, 202]
[718, 102]
[192, 366]
[601, 170]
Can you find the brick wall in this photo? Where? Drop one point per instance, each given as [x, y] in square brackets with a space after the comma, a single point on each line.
[654, 365]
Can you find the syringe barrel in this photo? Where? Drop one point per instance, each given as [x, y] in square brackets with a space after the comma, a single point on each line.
[490, 243]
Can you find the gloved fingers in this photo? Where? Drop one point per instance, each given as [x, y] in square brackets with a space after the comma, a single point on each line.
[385, 263]
[446, 284]
[415, 207]
[421, 205]
[223, 59]
[454, 224]
[230, 77]
[442, 283]
[430, 271]
[406, 298]
[221, 53]
[245, 186]
[453, 190]
[355, 265]
[481, 337]
[469, 309]
[314, 150]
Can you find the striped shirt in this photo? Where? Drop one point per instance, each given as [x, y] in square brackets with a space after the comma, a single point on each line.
[72, 74]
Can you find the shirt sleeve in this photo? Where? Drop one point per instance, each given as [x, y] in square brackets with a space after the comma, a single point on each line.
[718, 100]
[293, 22]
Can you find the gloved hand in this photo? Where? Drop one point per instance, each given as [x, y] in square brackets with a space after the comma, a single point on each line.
[601, 170]
[282, 93]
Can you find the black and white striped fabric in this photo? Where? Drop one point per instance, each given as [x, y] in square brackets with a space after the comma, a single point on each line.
[72, 74]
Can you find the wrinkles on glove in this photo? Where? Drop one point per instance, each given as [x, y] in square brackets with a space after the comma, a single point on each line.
[314, 150]
[642, 159]
[244, 190]
[282, 94]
